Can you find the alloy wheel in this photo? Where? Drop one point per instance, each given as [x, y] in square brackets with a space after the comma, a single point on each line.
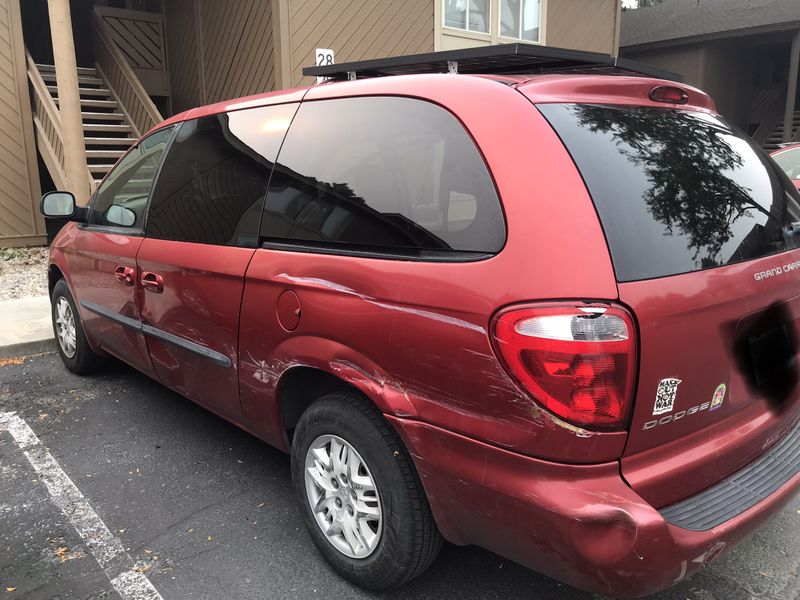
[65, 327]
[343, 496]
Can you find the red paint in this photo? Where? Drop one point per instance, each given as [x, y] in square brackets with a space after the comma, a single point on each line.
[416, 339]
[795, 180]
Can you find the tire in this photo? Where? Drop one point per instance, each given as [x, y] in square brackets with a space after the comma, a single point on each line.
[407, 540]
[73, 348]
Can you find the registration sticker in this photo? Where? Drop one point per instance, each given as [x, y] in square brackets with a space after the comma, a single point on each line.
[665, 395]
[718, 398]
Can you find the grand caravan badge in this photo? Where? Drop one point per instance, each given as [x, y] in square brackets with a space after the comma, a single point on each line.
[665, 396]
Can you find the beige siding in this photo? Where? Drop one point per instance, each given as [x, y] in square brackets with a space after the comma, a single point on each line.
[688, 61]
[20, 223]
[182, 54]
[583, 25]
[218, 50]
[237, 47]
[356, 30]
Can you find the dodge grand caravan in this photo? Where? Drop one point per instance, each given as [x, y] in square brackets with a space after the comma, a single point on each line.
[554, 315]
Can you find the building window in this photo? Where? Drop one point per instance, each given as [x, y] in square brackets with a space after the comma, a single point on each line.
[520, 19]
[469, 15]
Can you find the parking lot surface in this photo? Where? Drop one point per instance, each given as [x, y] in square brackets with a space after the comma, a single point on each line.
[205, 510]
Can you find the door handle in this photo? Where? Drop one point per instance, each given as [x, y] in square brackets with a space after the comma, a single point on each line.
[125, 275]
[152, 282]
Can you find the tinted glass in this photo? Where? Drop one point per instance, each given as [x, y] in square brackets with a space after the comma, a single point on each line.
[676, 191]
[789, 161]
[383, 174]
[212, 185]
[121, 200]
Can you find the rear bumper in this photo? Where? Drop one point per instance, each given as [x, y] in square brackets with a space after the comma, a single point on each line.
[580, 524]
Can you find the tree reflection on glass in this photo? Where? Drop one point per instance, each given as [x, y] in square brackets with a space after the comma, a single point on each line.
[691, 165]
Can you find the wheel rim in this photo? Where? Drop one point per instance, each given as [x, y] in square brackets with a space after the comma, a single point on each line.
[343, 496]
[65, 327]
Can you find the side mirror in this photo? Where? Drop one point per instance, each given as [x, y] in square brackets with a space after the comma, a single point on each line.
[119, 215]
[58, 205]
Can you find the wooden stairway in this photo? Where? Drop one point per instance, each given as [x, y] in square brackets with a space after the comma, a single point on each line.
[107, 132]
[775, 139]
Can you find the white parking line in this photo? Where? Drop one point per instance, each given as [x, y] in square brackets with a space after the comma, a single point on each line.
[106, 548]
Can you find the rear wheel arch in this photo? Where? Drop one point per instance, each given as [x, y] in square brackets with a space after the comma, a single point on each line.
[299, 387]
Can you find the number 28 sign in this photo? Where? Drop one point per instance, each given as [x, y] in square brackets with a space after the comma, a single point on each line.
[324, 57]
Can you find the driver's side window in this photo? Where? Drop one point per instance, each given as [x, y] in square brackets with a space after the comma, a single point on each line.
[121, 200]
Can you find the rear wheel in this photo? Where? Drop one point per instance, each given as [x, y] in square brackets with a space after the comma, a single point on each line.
[360, 495]
[71, 342]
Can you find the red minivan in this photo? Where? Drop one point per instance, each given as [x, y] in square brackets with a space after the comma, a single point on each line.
[551, 314]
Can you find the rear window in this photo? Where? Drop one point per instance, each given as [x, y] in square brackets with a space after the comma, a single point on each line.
[676, 191]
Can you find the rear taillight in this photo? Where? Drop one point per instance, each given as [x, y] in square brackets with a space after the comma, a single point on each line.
[577, 361]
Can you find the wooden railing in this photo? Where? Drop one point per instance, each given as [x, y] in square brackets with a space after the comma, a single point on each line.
[113, 67]
[139, 36]
[47, 125]
[768, 109]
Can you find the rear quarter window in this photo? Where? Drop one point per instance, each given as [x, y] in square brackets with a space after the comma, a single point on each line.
[384, 174]
[676, 191]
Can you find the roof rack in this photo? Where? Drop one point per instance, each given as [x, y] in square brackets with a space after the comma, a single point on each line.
[504, 59]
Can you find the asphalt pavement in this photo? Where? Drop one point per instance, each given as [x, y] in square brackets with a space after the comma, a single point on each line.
[203, 510]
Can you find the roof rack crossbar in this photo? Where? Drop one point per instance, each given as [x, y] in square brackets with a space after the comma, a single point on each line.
[504, 59]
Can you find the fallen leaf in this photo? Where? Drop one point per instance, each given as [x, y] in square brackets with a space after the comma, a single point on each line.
[10, 589]
[210, 538]
[61, 552]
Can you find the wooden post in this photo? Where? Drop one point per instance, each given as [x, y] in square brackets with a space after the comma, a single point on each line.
[791, 90]
[69, 100]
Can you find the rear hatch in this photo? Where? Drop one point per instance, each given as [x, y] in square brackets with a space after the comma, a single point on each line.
[703, 231]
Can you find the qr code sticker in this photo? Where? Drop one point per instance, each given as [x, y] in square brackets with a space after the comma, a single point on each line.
[665, 396]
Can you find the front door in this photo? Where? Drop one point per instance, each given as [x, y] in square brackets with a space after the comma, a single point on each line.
[102, 259]
[201, 232]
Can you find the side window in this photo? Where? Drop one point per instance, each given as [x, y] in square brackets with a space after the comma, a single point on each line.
[384, 174]
[121, 200]
[212, 185]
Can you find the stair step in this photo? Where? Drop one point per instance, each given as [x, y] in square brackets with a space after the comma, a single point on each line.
[95, 103]
[51, 69]
[106, 128]
[101, 168]
[104, 153]
[87, 79]
[101, 116]
[84, 91]
[104, 141]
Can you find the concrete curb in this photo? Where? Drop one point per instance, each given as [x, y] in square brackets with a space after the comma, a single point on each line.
[28, 348]
[26, 327]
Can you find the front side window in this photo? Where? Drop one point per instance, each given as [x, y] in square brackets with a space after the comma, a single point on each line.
[519, 19]
[121, 200]
[212, 185]
[385, 175]
[469, 15]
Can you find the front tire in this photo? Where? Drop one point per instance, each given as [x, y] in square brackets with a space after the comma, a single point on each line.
[75, 352]
[361, 498]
